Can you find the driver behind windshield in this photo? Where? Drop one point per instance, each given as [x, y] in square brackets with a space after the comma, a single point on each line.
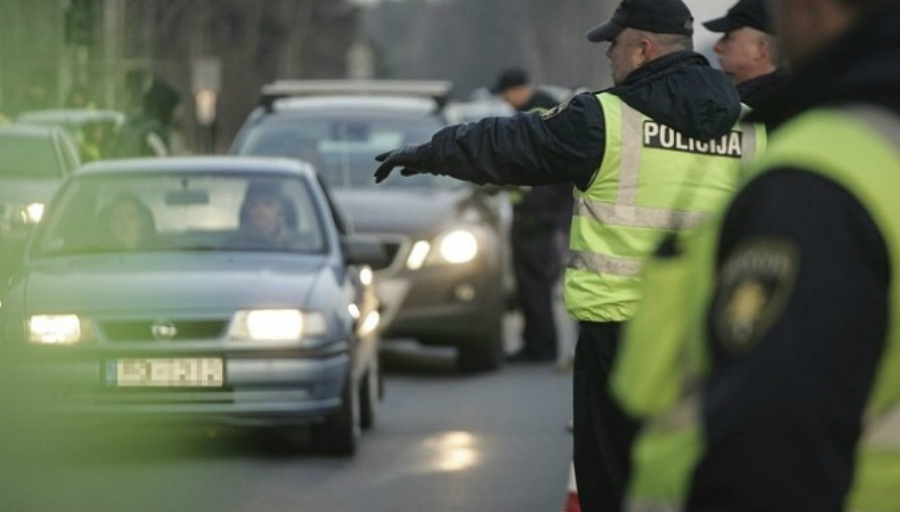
[127, 223]
[267, 219]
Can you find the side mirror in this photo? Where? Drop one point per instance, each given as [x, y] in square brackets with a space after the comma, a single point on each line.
[360, 250]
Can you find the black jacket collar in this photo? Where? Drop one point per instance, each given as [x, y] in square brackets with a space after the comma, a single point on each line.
[756, 91]
[861, 66]
[681, 90]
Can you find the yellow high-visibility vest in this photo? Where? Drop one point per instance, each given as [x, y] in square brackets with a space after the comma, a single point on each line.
[653, 180]
[659, 374]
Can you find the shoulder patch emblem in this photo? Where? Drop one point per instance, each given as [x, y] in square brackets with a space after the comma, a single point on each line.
[555, 111]
[754, 286]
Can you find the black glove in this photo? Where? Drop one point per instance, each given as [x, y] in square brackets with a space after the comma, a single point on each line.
[414, 160]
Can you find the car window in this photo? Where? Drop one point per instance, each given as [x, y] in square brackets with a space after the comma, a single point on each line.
[28, 157]
[342, 148]
[187, 212]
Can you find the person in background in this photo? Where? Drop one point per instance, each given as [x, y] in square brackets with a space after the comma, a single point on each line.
[149, 133]
[541, 217]
[749, 52]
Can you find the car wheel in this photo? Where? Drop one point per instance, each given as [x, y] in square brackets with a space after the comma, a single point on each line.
[370, 392]
[339, 434]
[483, 353]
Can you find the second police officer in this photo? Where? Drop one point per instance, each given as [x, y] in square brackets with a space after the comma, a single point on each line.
[748, 51]
[657, 152]
[540, 215]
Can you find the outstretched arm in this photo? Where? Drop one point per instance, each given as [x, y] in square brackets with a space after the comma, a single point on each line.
[562, 145]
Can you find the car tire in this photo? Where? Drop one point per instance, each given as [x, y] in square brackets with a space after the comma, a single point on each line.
[483, 353]
[339, 434]
[370, 392]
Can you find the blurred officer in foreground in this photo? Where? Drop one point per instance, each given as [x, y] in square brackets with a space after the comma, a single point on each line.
[540, 216]
[748, 51]
[782, 390]
[657, 152]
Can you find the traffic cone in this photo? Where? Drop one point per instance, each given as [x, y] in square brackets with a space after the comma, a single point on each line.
[572, 503]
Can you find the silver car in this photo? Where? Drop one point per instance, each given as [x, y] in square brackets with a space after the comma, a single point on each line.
[34, 161]
[211, 289]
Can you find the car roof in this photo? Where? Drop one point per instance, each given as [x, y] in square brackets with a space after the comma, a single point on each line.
[27, 130]
[70, 116]
[200, 165]
[356, 104]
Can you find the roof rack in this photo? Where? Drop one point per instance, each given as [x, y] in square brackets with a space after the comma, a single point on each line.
[437, 90]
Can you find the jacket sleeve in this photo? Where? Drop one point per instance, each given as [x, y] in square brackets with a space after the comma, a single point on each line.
[797, 328]
[562, 145]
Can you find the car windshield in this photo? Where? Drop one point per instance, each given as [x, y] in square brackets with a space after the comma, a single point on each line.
[183, 212]
[28, 157]
[342, 148]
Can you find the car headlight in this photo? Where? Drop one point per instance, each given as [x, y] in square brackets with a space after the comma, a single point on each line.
[27, 214]
[34, 212]
[57, 329]
[418, 254]
[455, 247]
[372, 321]
[366, 276]
[277, 325]
[460, 246]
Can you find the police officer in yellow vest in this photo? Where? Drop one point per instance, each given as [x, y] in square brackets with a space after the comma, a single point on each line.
[765, 360]
[657, 152]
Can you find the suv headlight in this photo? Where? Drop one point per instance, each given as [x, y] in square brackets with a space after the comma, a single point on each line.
[454, 247]
[277, 325]
[460, 246]
[57, 329]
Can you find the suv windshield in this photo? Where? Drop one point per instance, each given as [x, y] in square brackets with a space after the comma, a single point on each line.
[28, 157]
[342, 148]
[183, 212]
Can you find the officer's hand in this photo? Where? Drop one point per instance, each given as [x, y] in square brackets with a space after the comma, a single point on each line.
[413, 159]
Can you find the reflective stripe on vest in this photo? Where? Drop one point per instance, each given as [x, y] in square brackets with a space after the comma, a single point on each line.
[824, 142]
[653, 180]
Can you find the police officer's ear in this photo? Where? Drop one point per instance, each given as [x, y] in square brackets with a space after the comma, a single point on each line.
[646, 50]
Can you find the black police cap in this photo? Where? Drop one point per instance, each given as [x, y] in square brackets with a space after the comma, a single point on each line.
[657, 16]
[510, 78]
[745, 13]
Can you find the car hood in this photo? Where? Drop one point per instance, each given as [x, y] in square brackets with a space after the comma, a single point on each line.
[168, 282]
[22, 191]
[408, 212]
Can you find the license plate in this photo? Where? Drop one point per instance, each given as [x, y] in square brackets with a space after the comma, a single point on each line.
[158, 372]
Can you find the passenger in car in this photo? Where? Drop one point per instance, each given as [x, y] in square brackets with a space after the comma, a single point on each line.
[268, 219]
[127, 223]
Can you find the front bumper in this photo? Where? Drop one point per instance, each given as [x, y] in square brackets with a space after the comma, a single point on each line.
[444, 305]
[258, 389]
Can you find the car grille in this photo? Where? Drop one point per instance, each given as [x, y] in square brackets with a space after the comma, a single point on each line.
[142, 330]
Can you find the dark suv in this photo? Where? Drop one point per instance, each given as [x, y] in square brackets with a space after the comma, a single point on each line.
[444, 283]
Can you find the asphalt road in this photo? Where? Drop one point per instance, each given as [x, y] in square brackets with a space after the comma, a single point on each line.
[444, 442]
